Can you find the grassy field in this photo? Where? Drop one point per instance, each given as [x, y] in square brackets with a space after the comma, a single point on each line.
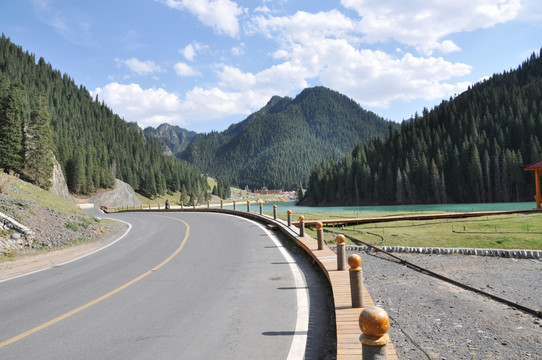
[512, 231]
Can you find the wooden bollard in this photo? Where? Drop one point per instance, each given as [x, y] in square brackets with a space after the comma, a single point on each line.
[149, 206]
[301, 226]
[208, 204]
[275, 212]
[182, 205]
[356, 281]
[158, 206]
[289, 213]
[233, 204]
[261, 208]
[320, 235]
[221, 204]
[248, 205]
[341, 256]
[193, 205]
[374, 324]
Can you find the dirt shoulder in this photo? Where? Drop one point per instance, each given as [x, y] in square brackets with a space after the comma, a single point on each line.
[31, 260]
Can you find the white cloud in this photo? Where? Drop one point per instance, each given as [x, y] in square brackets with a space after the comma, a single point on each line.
[190, 51]
[140, 67]
[183, 69]
[238, 50]
[218, 14]
[325, 46]
[147, 107]
[424, 23]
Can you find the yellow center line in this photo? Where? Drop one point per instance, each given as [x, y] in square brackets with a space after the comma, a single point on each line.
[95, 301]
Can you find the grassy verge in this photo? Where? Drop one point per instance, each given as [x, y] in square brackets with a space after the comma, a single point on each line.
[25, 191]
[512, 231]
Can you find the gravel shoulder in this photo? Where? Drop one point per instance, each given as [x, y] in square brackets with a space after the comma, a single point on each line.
[432, 319]
[36, 259]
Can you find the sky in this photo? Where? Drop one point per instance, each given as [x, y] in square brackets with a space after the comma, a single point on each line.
[206, 64]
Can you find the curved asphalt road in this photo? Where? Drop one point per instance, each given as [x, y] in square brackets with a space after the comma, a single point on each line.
[177, 286]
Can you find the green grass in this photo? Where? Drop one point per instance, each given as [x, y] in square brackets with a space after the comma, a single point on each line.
[25, 191]
[512, 231]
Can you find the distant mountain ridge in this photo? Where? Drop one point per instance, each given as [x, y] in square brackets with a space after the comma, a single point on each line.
[278, 145]
[172, 139]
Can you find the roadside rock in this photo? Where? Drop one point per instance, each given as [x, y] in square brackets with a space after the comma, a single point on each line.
[122, 195]
[59, 187]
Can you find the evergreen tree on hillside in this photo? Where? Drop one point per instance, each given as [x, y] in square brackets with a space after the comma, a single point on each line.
[11, 126]
[92, 144]
[39, 151]
[468, 149]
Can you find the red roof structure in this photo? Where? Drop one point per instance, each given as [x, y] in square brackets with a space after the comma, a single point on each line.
[537, 168]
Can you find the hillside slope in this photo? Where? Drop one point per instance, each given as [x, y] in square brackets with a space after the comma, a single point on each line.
[93, 145]
[278, 145]
[468, 149]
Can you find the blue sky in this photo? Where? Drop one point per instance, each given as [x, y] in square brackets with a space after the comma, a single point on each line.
[205, 64]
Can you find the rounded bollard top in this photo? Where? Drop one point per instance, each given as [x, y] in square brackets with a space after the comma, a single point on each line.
[374, 322]
[354, 261]
[234, 200]
[301, 218]
[340, 239]
[274, 206]
[289, 212]
[319, 225]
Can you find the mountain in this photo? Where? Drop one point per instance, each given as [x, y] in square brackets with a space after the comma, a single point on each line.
[278, 145]
[173, 140]
[92, 144]
[467, 149]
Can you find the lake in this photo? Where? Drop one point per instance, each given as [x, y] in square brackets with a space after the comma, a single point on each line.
[285, 206]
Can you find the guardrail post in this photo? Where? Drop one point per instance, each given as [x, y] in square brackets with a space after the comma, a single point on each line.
[261, 208]
[289, 212]
[374, 324]
[301, 226]
[356, 281]
[248, 205]
[221, 204]
[320, 235]
[275, 212]
[340, 252]
[233, 204]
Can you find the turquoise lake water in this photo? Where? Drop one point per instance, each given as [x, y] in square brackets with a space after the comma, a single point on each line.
[285, 206]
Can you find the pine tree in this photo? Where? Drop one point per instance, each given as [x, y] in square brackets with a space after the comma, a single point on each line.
[12, 128]
[39, 152]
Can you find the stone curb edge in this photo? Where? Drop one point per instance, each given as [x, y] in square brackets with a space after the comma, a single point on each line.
[505, 253]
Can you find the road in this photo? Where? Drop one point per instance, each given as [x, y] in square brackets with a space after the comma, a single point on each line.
[177, 286]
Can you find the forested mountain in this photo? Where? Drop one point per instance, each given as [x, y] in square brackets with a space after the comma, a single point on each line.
[468, 149]
[278, 145]
[92, 144]
[173, 140]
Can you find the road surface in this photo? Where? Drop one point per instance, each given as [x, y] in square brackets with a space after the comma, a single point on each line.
[176, 286]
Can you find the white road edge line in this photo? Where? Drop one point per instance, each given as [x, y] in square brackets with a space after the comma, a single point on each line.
[299, 342]
[78, 258]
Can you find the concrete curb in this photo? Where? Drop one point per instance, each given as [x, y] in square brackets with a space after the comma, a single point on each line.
[505, 253]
